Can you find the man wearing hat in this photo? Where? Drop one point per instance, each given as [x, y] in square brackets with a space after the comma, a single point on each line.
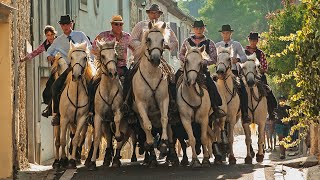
[282, 128]
[198, 40]
[237, 56]
[122, 38]
[62, 44]
[154, 13]
[250, 49]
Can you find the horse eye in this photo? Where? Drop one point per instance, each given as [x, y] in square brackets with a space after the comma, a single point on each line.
[103, 57]
[85, 58]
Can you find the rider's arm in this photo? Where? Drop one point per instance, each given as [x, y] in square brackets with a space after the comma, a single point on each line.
[34, 53]
[183, 51]
[136, 35]
[173, 45]
[52, 50]
[240, 52]
[212, 54]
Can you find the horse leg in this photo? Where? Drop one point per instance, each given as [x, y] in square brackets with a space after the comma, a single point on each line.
[215, 143]
[109, 148]
[145, 123]
[76, 140]
[192, 141]
[56, 163]
[184, 161]
[172, 158]
[97, 139]
[164, 123]
[204, 141]
[260, 154]
[134, 145]
[117, 118]
[64, 159]
[81, 143]
[232, 159]
[247, 131]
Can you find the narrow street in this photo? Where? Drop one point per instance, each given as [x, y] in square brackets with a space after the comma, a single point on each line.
[270, 169]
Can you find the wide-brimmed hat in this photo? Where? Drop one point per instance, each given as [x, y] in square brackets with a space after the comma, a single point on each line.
[117, 19]
[198, 24]
[226, 27]
[254, 35]
[154, 7]
[65, 19]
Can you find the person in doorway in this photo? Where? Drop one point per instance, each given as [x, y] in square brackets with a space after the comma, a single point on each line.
[50, 33]
[237, 56]
[62, 45]
[282, 128]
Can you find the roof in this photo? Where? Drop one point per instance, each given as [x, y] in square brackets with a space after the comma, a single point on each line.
[173, 8]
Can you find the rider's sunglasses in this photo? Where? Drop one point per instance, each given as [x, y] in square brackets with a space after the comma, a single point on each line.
[118, 24]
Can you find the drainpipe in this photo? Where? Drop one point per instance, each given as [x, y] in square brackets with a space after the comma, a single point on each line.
[15, 112]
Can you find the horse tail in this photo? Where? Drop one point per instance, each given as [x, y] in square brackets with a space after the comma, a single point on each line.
[253, 129]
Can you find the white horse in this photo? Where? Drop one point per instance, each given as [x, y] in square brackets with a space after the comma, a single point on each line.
[230, 101]
[108, 101]
[74, 101]
[194, 103]
[58, 67]
[150, 87]
[257, 106]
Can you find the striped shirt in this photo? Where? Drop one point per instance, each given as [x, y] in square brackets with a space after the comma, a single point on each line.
[121, 48]
[61, 44]
[137, 33]
[237, 49]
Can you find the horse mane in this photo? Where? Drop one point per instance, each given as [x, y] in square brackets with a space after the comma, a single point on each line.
[221, 49]
[155, 26]
[90, 69]
[203, 54]
[55, 64]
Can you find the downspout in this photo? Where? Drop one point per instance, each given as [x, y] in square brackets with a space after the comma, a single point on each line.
[15, 112]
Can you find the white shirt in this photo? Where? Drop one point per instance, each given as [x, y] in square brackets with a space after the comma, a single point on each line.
[237, 51]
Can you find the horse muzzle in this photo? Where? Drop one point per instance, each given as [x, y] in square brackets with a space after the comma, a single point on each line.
[250, 82]
[76, 78]
[113, 74]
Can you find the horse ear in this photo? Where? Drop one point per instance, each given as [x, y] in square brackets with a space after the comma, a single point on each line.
[164, 25]
[202, 48]
[150, 25]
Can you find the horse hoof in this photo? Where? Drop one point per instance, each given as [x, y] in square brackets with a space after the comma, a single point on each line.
[56, 164]
[64, 162]
[92, 166]
[153, 164]
[78, 162]
[72, 164]
[87, 162]
[184, 162]
[164, 146]
[134, 159]
[107, 162]
[216, 161]
[116, 163]
[206, 162]
[195, 163]
[120, 138]
[248, 160]
[232, 160]
[259, 157]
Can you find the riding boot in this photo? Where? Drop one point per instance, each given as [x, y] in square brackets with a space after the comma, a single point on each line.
[173, 95]
[244, 103]
[57, 88]
[48, 110]
[272, 104]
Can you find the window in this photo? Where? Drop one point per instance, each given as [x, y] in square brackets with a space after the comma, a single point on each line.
[84, 5]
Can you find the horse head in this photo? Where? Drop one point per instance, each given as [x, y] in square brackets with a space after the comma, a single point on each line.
[193, 62]
[78, 55]
[154, 41]
[224, 61]
[250, 69]
[108, 57]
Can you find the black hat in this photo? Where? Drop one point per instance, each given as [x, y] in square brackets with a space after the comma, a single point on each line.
[253, 35]
[226, 27]
[154, 7]
[65, 19]
[198, 24]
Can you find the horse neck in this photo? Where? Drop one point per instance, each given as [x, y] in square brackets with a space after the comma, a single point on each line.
[151, 71]
[108, 84]
[80, 86]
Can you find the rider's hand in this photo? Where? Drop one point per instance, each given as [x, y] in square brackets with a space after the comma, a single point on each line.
[50, 58]
[24, 59]
[234, 60]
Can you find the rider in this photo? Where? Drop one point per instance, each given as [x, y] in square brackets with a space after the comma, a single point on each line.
[50, 33]
[199, 39]
[154, 13]
[121, 48]
[62, 44]
[237, 56]
[252, 48]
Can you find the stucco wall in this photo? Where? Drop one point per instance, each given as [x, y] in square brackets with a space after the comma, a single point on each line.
[6, 102]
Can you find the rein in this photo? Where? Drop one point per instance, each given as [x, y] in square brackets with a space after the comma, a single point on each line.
[105, 65]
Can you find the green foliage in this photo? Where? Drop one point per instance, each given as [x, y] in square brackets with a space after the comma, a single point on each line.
[191, 6]
[243, 16]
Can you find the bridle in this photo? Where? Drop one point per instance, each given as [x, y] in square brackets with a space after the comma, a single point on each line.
[225, 66]
[186, 63]
[82, 66]
[115, 61]
[251, 72]
[150, 50]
